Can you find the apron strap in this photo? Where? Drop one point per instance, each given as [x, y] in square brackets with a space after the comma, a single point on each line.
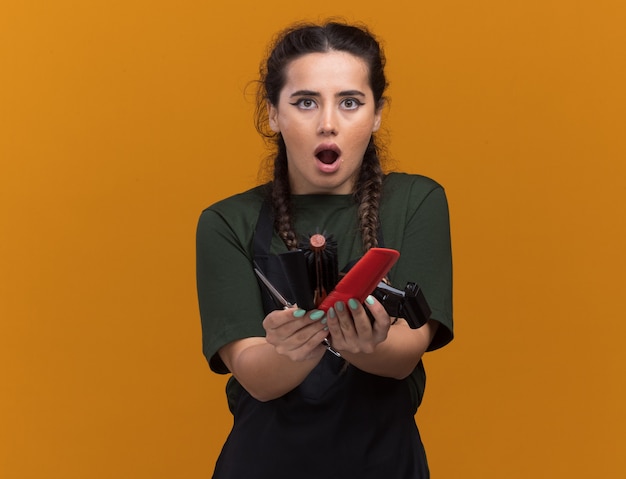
[264, 230]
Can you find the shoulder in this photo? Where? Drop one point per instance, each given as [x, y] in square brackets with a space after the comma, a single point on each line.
[410, 189]
[240, 201]
[232, 219]
[416, 184]
[237, 208]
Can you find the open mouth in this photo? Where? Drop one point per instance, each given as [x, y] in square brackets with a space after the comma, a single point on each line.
[327, 154]
[327, 157]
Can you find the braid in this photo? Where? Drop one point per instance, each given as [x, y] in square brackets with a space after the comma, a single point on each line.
[281, 199]
[367, 193]
[296, 42]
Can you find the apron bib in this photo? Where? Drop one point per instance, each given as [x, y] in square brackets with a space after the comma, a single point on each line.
[340, 422]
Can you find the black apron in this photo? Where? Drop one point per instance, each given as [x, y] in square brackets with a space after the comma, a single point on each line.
[340, 422]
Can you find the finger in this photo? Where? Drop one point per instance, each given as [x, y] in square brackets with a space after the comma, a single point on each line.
[290, 320]
[279, 317]
[334, 328]
[299, 330]
[304, 342]
[381, 320]
[361, 320]
[308, 334]
[344, 320]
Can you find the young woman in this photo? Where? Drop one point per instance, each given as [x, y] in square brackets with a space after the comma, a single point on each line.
[300, 410]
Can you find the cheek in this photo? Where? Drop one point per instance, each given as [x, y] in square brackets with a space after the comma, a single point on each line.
[292, 133]
[295, 144]
[362, 135]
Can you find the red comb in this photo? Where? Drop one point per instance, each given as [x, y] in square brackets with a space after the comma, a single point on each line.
[363, 277]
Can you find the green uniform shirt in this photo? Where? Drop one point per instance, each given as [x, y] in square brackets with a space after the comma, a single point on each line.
[415, 221]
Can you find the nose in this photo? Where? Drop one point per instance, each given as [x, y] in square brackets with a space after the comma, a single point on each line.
[328, 122]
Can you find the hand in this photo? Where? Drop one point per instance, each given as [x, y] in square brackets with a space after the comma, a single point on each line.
[296, 334]
[352, 330]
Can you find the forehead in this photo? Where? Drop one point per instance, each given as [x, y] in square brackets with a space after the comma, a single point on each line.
[330, 70]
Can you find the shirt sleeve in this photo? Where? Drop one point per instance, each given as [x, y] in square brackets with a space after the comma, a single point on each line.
[228, 293]
[426, 256]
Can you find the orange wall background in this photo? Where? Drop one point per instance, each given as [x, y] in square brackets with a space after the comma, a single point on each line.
[121, 120]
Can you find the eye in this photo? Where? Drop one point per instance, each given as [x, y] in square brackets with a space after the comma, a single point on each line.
[351, 103]
[305, 103]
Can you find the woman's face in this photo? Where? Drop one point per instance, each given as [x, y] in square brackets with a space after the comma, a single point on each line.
[326, 114]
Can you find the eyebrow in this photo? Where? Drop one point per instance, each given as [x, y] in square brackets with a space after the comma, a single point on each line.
[317, 94]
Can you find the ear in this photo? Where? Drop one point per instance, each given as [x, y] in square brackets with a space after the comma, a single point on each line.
[272, 115]
[377, 119]
[378, 115]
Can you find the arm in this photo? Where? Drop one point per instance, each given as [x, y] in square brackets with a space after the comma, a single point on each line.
[268, 356]
[379, 348]
[272, 366]
[395, 350]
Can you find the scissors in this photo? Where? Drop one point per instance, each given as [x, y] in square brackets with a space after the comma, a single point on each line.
[287, 305]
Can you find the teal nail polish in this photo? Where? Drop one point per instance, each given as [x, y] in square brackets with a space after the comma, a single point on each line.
[370, 299]
[298, 313]
[331, 313]
[324, 321]
[339, 306]
[353, 303]
[317, 314]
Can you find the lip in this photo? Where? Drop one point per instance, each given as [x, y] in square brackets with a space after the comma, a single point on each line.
[327, 146]
[328, 168]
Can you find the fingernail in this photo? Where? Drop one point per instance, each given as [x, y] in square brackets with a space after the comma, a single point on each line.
[324, 321]
[370, 299]
[331, 312]
[353, 303]
[298, 313]
[339, 306]
[317, 314]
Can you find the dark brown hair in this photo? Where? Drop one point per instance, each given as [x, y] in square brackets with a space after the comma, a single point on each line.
[291, 44]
